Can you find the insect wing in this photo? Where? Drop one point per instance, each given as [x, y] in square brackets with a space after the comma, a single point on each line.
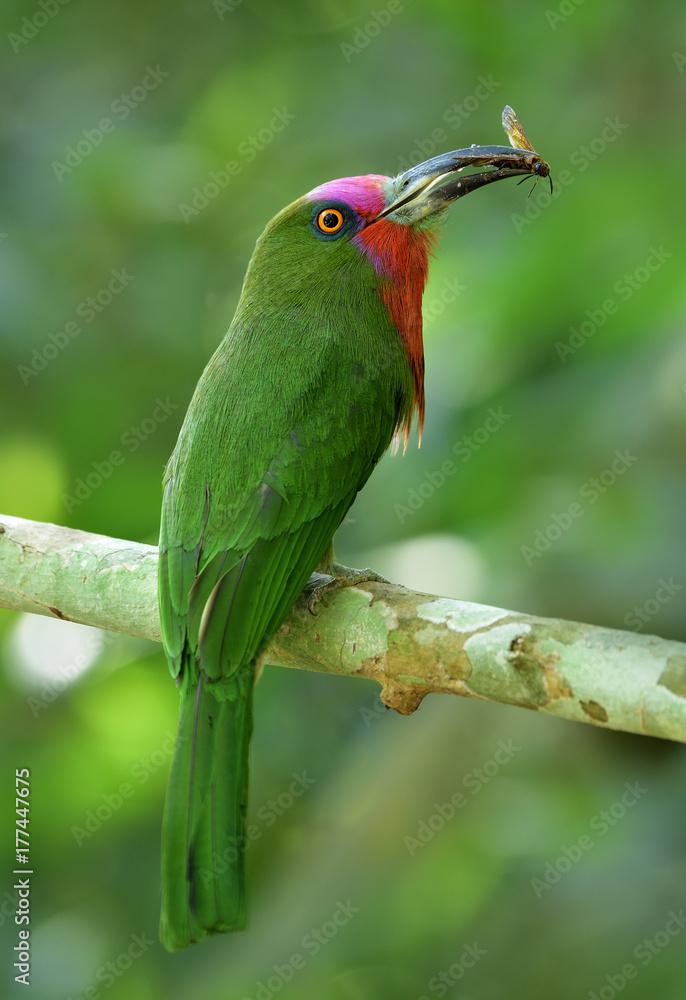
[515, 133]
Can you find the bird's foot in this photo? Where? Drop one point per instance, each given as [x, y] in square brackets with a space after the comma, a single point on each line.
[321, 584]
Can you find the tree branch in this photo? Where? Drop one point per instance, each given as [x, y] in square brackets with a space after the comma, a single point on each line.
[412, 644]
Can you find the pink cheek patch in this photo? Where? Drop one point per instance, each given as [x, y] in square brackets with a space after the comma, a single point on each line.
[365, 195]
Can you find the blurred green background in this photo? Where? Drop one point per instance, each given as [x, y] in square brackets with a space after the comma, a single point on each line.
[186, 88]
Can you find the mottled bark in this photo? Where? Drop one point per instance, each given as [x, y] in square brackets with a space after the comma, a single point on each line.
[412, 644]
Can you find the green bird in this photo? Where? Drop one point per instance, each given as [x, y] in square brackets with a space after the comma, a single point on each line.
[321, 369]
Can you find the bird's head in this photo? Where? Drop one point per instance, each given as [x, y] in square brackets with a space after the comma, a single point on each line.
[382, 229]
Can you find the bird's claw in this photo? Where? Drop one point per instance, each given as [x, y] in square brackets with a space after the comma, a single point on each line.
[321, 584]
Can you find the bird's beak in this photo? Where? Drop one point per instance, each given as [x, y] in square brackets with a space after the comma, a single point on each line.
[438, 182]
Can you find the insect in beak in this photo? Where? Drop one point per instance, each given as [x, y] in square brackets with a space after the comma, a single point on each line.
[520, 140]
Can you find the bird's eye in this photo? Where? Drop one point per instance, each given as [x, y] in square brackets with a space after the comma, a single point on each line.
[330, 220]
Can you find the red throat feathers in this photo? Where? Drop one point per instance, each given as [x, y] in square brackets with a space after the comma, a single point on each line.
[400, 255]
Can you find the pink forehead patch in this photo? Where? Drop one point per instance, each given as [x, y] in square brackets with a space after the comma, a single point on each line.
[366, 195]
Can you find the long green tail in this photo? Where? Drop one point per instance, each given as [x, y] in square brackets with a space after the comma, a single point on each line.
[203, 831]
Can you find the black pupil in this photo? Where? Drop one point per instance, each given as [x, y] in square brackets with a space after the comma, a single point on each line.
[330, 220]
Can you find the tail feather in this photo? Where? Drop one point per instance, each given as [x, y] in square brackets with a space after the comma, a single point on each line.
[203, 832]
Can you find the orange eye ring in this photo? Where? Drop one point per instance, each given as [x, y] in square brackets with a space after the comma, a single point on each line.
[330, 220]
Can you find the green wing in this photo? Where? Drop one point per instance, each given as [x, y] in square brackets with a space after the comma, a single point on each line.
[254, 494]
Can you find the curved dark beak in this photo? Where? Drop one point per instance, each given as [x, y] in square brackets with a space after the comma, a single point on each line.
[438, 182]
